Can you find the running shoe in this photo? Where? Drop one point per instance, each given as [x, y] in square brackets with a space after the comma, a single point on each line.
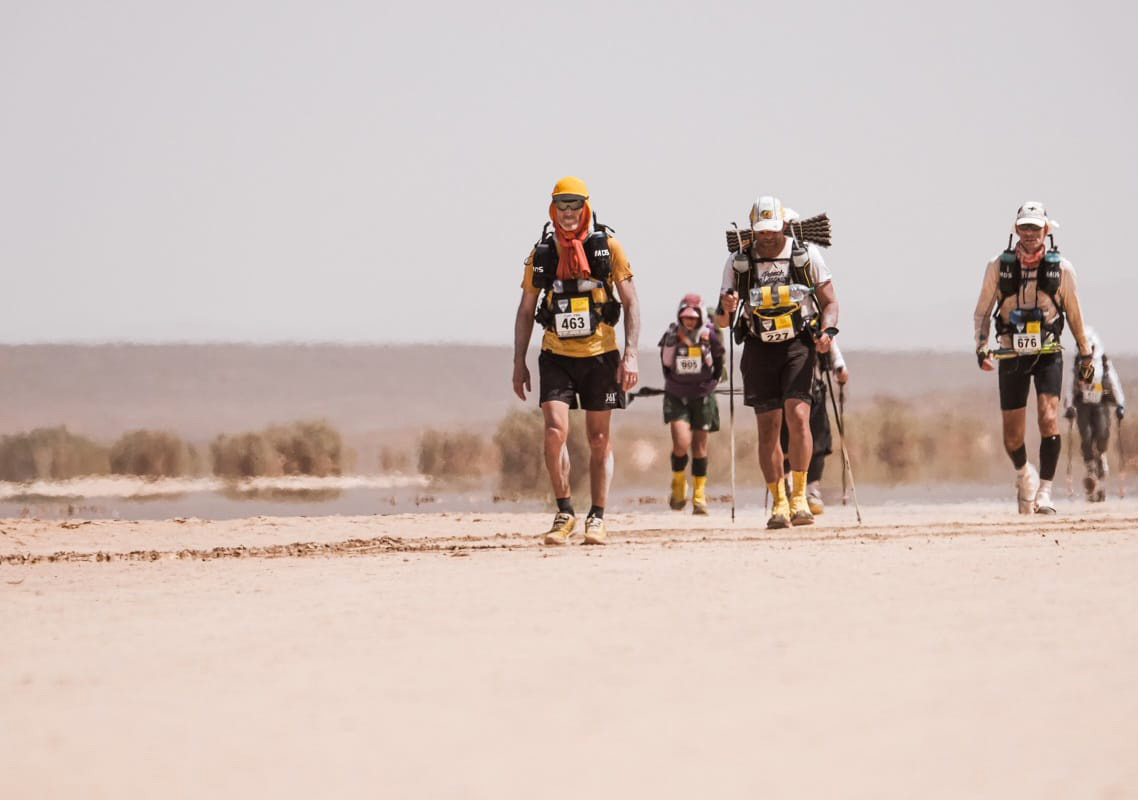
[595, 531]
[679, 496]
[814, 499]
[1027, 484]
[699, 496]
[562, 530]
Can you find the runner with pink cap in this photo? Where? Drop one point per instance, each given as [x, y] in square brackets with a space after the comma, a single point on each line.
[691, 352]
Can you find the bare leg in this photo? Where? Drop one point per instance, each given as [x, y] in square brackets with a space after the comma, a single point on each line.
[1015, 420]
[801, 440]
[699, 444]
[770, 449]
[1048, 415]
[556, 415]
[681, 437]
[600, 454]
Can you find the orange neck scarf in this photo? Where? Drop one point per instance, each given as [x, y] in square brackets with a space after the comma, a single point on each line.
[572, 263]
[1029, 260]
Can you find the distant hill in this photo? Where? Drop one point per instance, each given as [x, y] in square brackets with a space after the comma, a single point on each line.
[366, 391]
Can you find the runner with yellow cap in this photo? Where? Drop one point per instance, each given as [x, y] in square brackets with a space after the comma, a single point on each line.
[1028, 291]
[788, 314]
[576, 278]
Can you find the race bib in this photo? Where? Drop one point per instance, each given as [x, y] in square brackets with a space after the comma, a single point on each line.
[778, 329]
[691, 364]
[575, 322]
[1092, 394]
[1030, 341]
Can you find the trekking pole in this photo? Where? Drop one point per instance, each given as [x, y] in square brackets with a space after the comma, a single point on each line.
[846, 466]
[1121, 464]
[841, 424]
[731, 388]
[1070, 456]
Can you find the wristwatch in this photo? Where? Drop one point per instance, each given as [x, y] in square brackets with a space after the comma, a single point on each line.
[830, 331]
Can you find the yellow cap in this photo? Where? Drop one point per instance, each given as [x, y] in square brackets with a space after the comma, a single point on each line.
[571, 185]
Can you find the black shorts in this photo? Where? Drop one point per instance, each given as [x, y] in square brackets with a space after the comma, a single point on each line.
[1016, 375]
[819, 425]
[774, 372]
[593, 378]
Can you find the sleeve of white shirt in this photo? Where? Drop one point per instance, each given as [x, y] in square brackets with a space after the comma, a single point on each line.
[818, 266]
[1115, 383]
[836, 356]
[728, 281]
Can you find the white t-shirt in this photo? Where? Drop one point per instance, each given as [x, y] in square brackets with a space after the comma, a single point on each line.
[771, 272]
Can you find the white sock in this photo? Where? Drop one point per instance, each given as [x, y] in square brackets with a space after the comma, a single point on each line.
[1023, 470]
[1044, 488]
[814, 486]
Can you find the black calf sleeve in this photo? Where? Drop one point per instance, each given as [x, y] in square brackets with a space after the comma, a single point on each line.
[679, 463]
[699, 467]
[1049, 448]
[817, 464]
[1019, 456]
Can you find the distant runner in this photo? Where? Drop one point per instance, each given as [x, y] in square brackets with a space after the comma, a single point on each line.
[577, 264]
[819, 427]
[790, 313]
[691, 352]
[1032, 291]
[1089, 404]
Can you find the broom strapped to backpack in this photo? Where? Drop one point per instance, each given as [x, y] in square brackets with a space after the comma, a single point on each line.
[815, 230]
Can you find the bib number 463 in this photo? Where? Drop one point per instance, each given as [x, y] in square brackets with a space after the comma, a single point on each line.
[572, 324]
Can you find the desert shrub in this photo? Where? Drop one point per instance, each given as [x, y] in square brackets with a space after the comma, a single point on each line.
[450, 454]
[393, 460]
[50, 454]
[153, 454]
[519, 439]
[308, 448]
[301, 448]
[245, 455]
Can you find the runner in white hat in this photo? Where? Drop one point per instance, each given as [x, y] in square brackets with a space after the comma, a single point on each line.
[1031, 290]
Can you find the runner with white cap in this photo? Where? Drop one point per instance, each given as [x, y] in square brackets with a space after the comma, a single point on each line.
[1032, 291]
[789, 314]
[1089, 404]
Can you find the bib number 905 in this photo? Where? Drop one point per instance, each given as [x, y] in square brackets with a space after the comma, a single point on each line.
[687, 365]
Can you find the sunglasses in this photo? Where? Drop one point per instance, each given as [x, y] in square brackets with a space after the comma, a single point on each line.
[1028, 228]
[569, 203]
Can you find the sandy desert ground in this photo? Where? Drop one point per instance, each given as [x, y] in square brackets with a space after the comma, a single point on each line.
[936, 651]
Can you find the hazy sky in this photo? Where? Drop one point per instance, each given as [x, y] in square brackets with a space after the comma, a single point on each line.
[334, 171]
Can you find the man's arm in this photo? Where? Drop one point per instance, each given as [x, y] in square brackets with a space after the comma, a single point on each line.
[523, 329]
[629, 371]
[728, 300]
[828, 306]
[982, 316]
[1073, 311]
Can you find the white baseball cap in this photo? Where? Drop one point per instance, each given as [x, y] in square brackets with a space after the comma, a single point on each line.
[1033, 213]
[767, 214]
